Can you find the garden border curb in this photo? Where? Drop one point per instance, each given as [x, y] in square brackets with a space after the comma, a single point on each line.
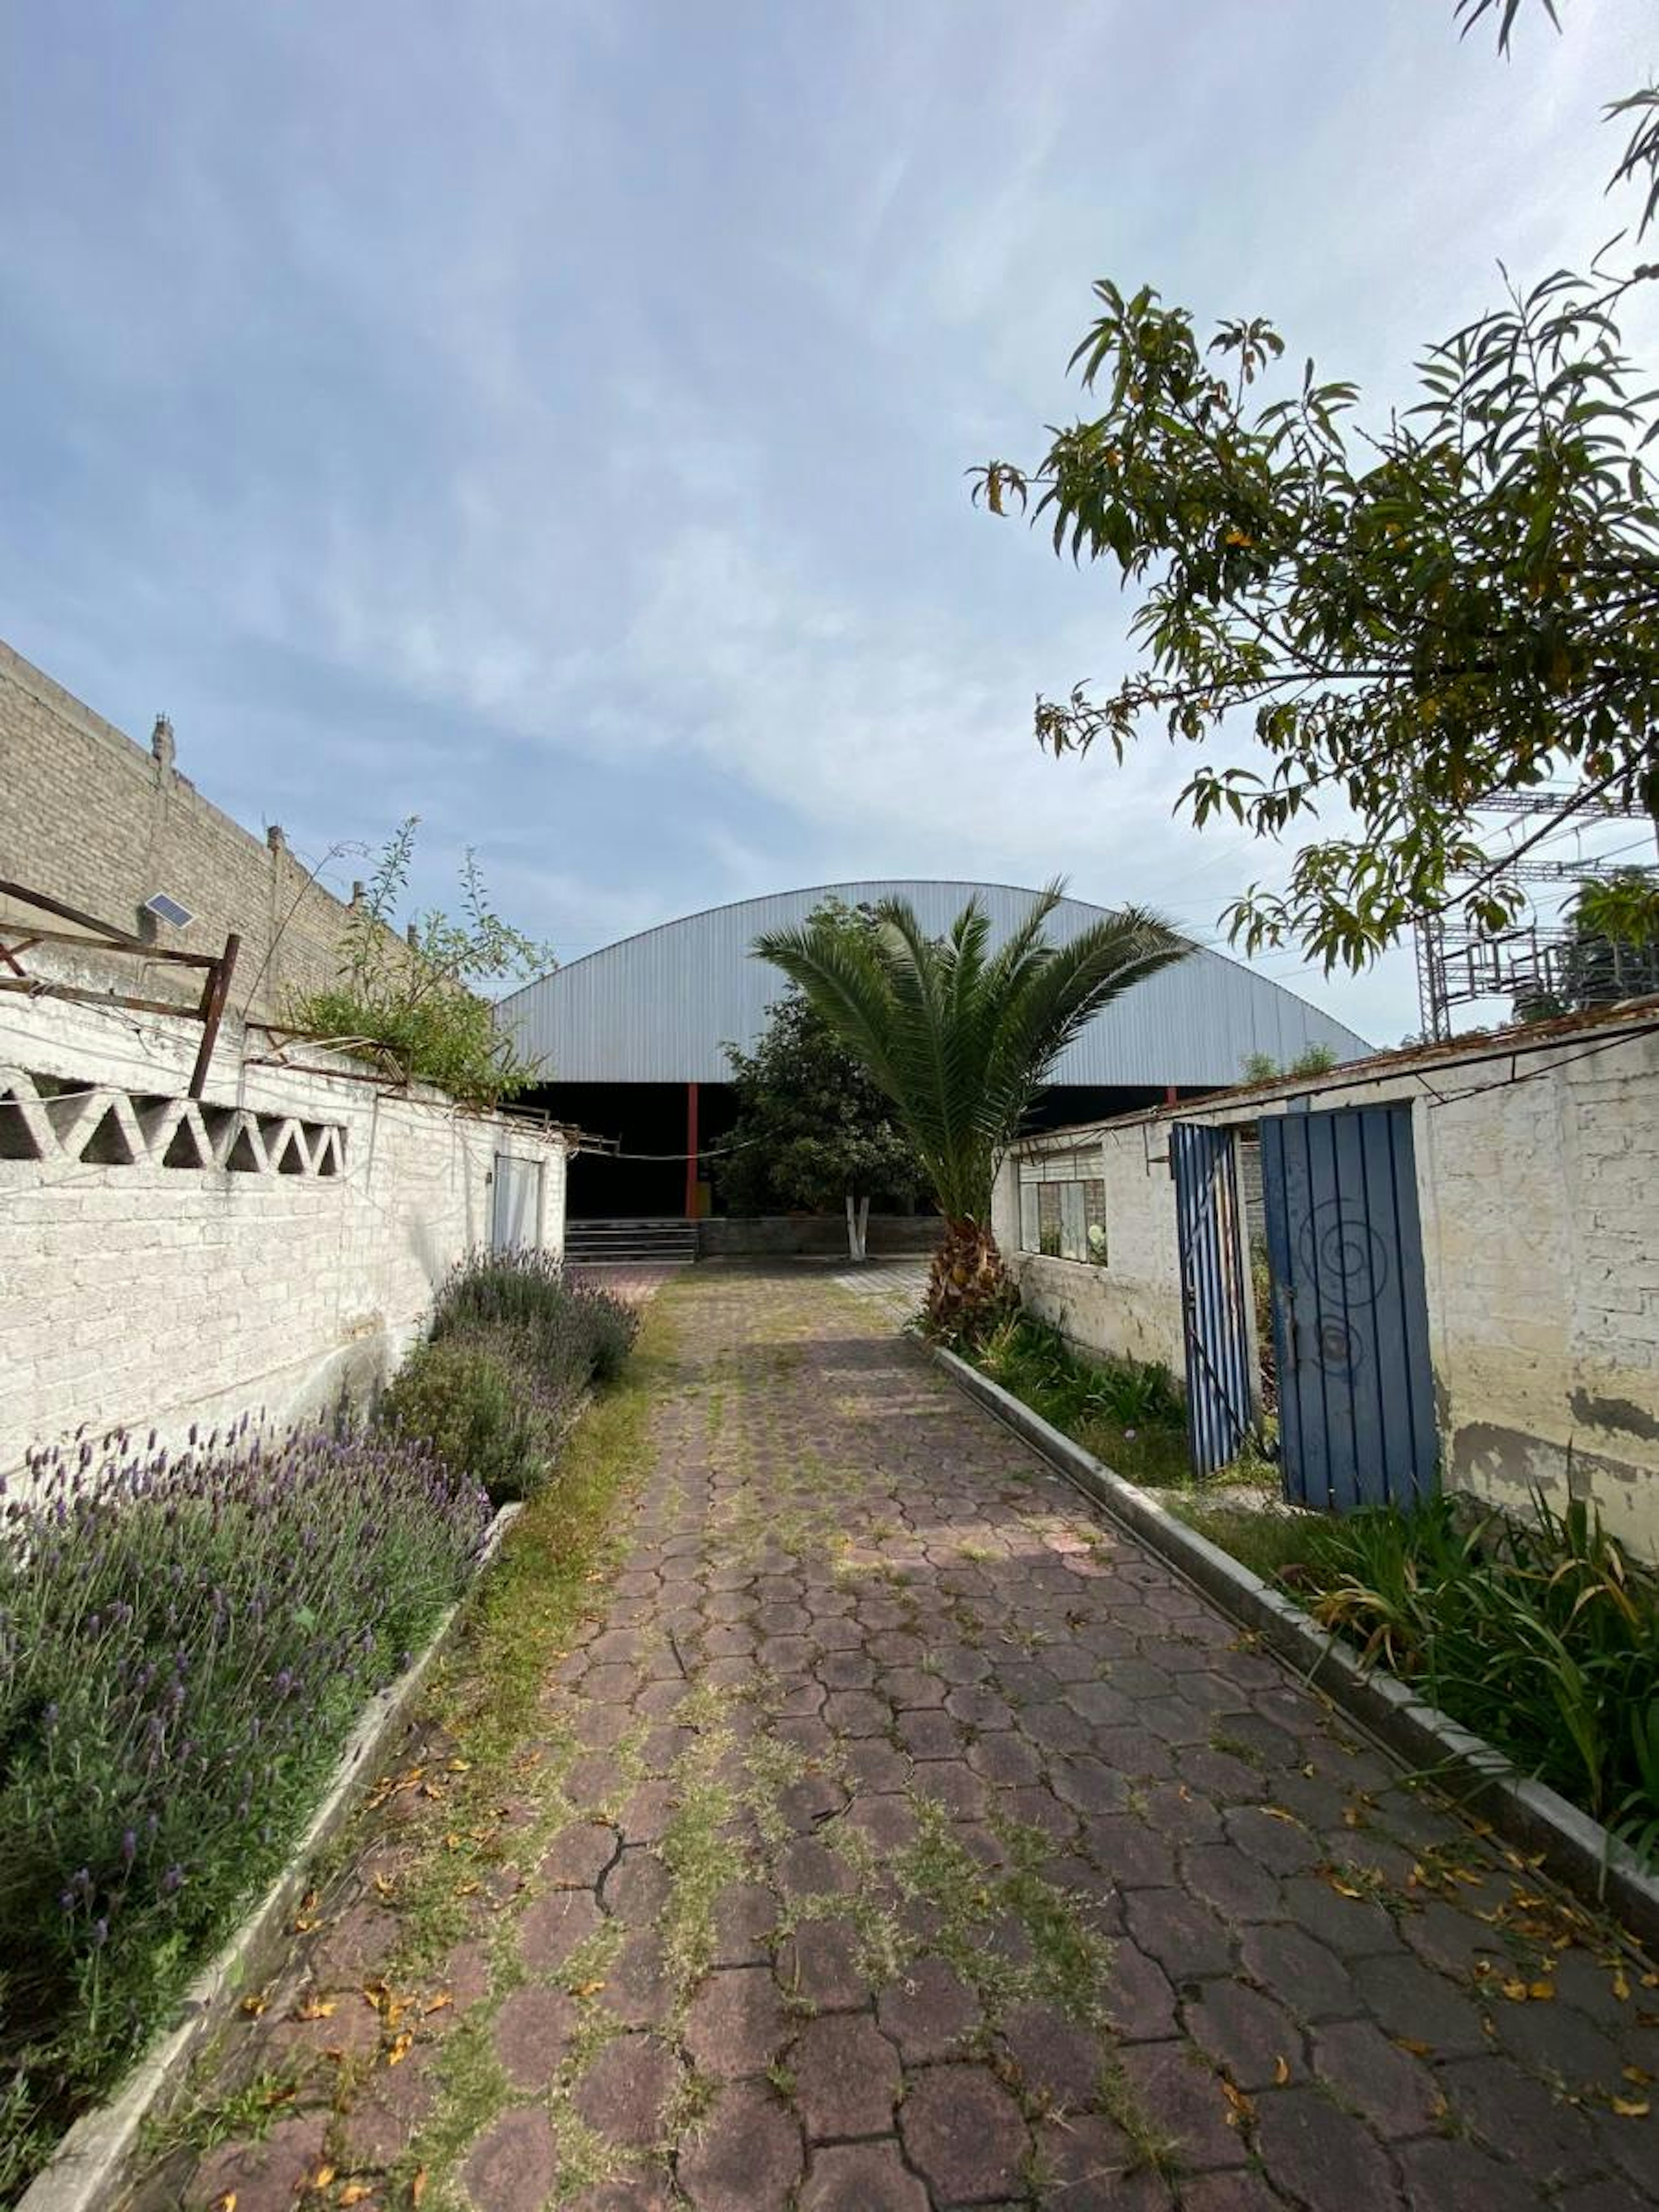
[1578, 1851]
[92, 2157]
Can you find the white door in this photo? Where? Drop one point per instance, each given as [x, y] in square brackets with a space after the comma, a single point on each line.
[518, 1213]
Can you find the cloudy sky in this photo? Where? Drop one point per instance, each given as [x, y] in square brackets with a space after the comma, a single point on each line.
[550, 416]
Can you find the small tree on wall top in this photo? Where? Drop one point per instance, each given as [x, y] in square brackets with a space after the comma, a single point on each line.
[414, 1004]
[813, 1131]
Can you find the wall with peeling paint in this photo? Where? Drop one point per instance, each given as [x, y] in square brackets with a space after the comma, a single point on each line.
[1538, 1182]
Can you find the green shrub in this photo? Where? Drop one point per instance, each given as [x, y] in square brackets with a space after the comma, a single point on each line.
[473, 1397]
[1128, 1413]
[1539, 1634]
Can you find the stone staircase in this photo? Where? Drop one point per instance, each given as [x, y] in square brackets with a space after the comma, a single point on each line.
[629, 1244]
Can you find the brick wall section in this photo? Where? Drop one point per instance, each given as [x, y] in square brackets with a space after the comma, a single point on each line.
[1539, 1208]
[91, 818]
[147, 1296]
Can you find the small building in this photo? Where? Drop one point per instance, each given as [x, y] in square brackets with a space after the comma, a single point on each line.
[633, 1036]
[1437, 1266]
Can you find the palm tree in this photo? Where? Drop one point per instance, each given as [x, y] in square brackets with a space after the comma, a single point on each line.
[961, 1039]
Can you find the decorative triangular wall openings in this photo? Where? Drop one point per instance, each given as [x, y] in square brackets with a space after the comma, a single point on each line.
[51, 1120]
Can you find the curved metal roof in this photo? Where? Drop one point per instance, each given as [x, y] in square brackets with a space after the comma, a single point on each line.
[658, 1008]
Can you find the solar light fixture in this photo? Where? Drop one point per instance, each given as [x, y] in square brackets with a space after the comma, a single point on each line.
[169, 910]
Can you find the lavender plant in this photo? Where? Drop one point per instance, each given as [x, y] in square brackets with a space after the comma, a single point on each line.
[185, 1638]
[573, 1333]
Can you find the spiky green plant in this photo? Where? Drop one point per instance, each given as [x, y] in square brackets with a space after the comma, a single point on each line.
[961, 1038]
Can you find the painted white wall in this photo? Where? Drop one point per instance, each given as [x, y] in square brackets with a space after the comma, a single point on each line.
[143, 1296]
[1131, 1307]
[1538, 1186]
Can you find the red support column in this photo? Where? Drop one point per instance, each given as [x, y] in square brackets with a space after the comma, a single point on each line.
[690, 1151]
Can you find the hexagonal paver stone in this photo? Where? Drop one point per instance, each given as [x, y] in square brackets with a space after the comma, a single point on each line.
[579, 1855]
[1408, 1999]
[1088, 2165]
[623, 2093]
[929, 2011]
[745, 1913]
[637, 1991]
[861, 2177]
[736, 2023]
[745, 2155]
[846, 2076]
[636, 1886]
[355, 1948]
[534, 2031]
[1309, 2146]
[1057, 2059]
[1246, 2033]
[553, 1927]
[1373, 2074]
[1457, 2177]
[268, 2175]
[962, 2131]
[818, 1966]
[513, 2163]
[1184, 1936]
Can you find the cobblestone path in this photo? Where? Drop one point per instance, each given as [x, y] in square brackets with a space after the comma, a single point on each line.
[904, 1838]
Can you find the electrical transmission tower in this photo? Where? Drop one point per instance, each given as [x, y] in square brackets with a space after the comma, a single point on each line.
[1531, 962]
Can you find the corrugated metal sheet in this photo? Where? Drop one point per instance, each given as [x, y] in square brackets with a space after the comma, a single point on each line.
[657, 1008]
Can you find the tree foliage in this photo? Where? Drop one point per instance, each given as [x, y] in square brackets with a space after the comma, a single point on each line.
[812, 1128]
[961, 1039]
[412, 1005]
[1408, 615]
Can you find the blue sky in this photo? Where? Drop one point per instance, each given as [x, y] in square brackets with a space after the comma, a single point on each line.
[550, 416]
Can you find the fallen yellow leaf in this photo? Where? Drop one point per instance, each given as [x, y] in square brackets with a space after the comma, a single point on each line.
[401, 2046]
[1281, 2071]
[1540, 1992]
[1639, 2075]
[355, 2192]
[1631, 2108]
[253, 2006]
[322, 2176]
[417, 2187]
[588, 1988]
[1620, 1985]
[1417, 2049]
[1516, 1992]
[226, 2202]
[316, 2009]
[437, 2004]
[1239, 2107]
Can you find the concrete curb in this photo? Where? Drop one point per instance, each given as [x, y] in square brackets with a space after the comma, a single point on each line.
[90, 2162]
[1579, 1852]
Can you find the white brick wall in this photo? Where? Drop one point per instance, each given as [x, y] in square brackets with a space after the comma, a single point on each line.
[145, 1295]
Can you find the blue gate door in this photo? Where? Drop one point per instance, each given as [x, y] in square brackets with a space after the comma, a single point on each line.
[1351, 1321]
[1220, 1402]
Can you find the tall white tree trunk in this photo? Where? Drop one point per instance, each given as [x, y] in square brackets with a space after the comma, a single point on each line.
[858, 1222]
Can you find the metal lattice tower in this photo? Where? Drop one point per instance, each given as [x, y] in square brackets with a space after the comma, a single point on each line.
[1458, 963]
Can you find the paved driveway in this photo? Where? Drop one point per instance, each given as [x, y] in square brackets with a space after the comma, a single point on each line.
[905, 1838]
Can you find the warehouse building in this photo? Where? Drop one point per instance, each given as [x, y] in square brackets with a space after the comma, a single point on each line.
[633, 1036]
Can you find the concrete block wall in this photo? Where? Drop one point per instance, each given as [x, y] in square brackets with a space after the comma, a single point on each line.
[1538, 1188]
[94, 819]
[1130, 1308]
[142, 1295]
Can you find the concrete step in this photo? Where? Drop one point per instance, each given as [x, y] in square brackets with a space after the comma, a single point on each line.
[600, 1240]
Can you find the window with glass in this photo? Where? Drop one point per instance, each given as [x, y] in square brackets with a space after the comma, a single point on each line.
[1063, 1208]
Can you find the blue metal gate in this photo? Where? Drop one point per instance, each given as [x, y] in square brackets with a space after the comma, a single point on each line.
[1350, 1322]
[1220, 1402]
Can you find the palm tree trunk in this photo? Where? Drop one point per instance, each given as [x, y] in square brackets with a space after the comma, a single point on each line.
[969, 1289]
